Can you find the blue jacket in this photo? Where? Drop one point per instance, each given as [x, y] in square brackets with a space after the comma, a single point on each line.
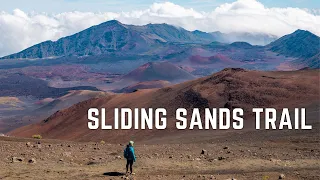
[129, 153]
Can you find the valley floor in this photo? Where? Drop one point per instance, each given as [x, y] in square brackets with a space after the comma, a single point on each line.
[254, 155]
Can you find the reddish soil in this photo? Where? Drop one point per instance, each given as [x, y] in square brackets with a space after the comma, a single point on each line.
[158, 71]
[229, 88]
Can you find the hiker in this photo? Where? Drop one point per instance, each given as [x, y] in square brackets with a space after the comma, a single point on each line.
[130, 156]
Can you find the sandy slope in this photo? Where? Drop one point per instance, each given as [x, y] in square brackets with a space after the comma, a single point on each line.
[243, 155]
[229, 88]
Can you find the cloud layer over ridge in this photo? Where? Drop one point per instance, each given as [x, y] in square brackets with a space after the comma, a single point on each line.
[20, 30]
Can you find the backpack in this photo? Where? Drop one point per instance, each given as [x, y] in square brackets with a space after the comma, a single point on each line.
[126, 152]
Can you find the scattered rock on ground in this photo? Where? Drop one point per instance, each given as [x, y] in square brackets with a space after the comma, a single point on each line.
[282, 176]
[32, 161]
[118, 157]
[16, 159]
[204, 151]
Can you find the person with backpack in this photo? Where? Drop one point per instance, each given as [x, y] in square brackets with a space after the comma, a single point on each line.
[130, 156]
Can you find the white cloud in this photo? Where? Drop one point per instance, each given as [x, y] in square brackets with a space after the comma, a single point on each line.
[20, 30]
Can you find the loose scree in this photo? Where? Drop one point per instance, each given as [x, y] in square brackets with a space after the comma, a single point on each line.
[215, 118]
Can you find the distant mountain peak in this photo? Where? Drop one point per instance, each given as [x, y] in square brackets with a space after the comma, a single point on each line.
[110, 23]
[299, 44]
[241, 44]
[301, 31]
[112, 37]
[113, 22]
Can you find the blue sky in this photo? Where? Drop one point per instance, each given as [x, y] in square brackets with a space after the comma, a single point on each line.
[58, 6]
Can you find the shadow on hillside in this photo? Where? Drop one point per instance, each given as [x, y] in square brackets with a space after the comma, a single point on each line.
[113, 174]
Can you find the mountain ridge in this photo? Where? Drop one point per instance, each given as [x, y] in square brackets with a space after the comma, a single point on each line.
[109, 37]
[114, 41]
[113, 36]
[299, 44]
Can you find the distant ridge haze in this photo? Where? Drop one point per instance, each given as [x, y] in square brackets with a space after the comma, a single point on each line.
[113, 41]
[112, 36]
[23, 28]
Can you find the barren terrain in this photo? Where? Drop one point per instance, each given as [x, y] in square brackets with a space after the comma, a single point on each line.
[242, 155]
[229, 88]
[246, 154]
